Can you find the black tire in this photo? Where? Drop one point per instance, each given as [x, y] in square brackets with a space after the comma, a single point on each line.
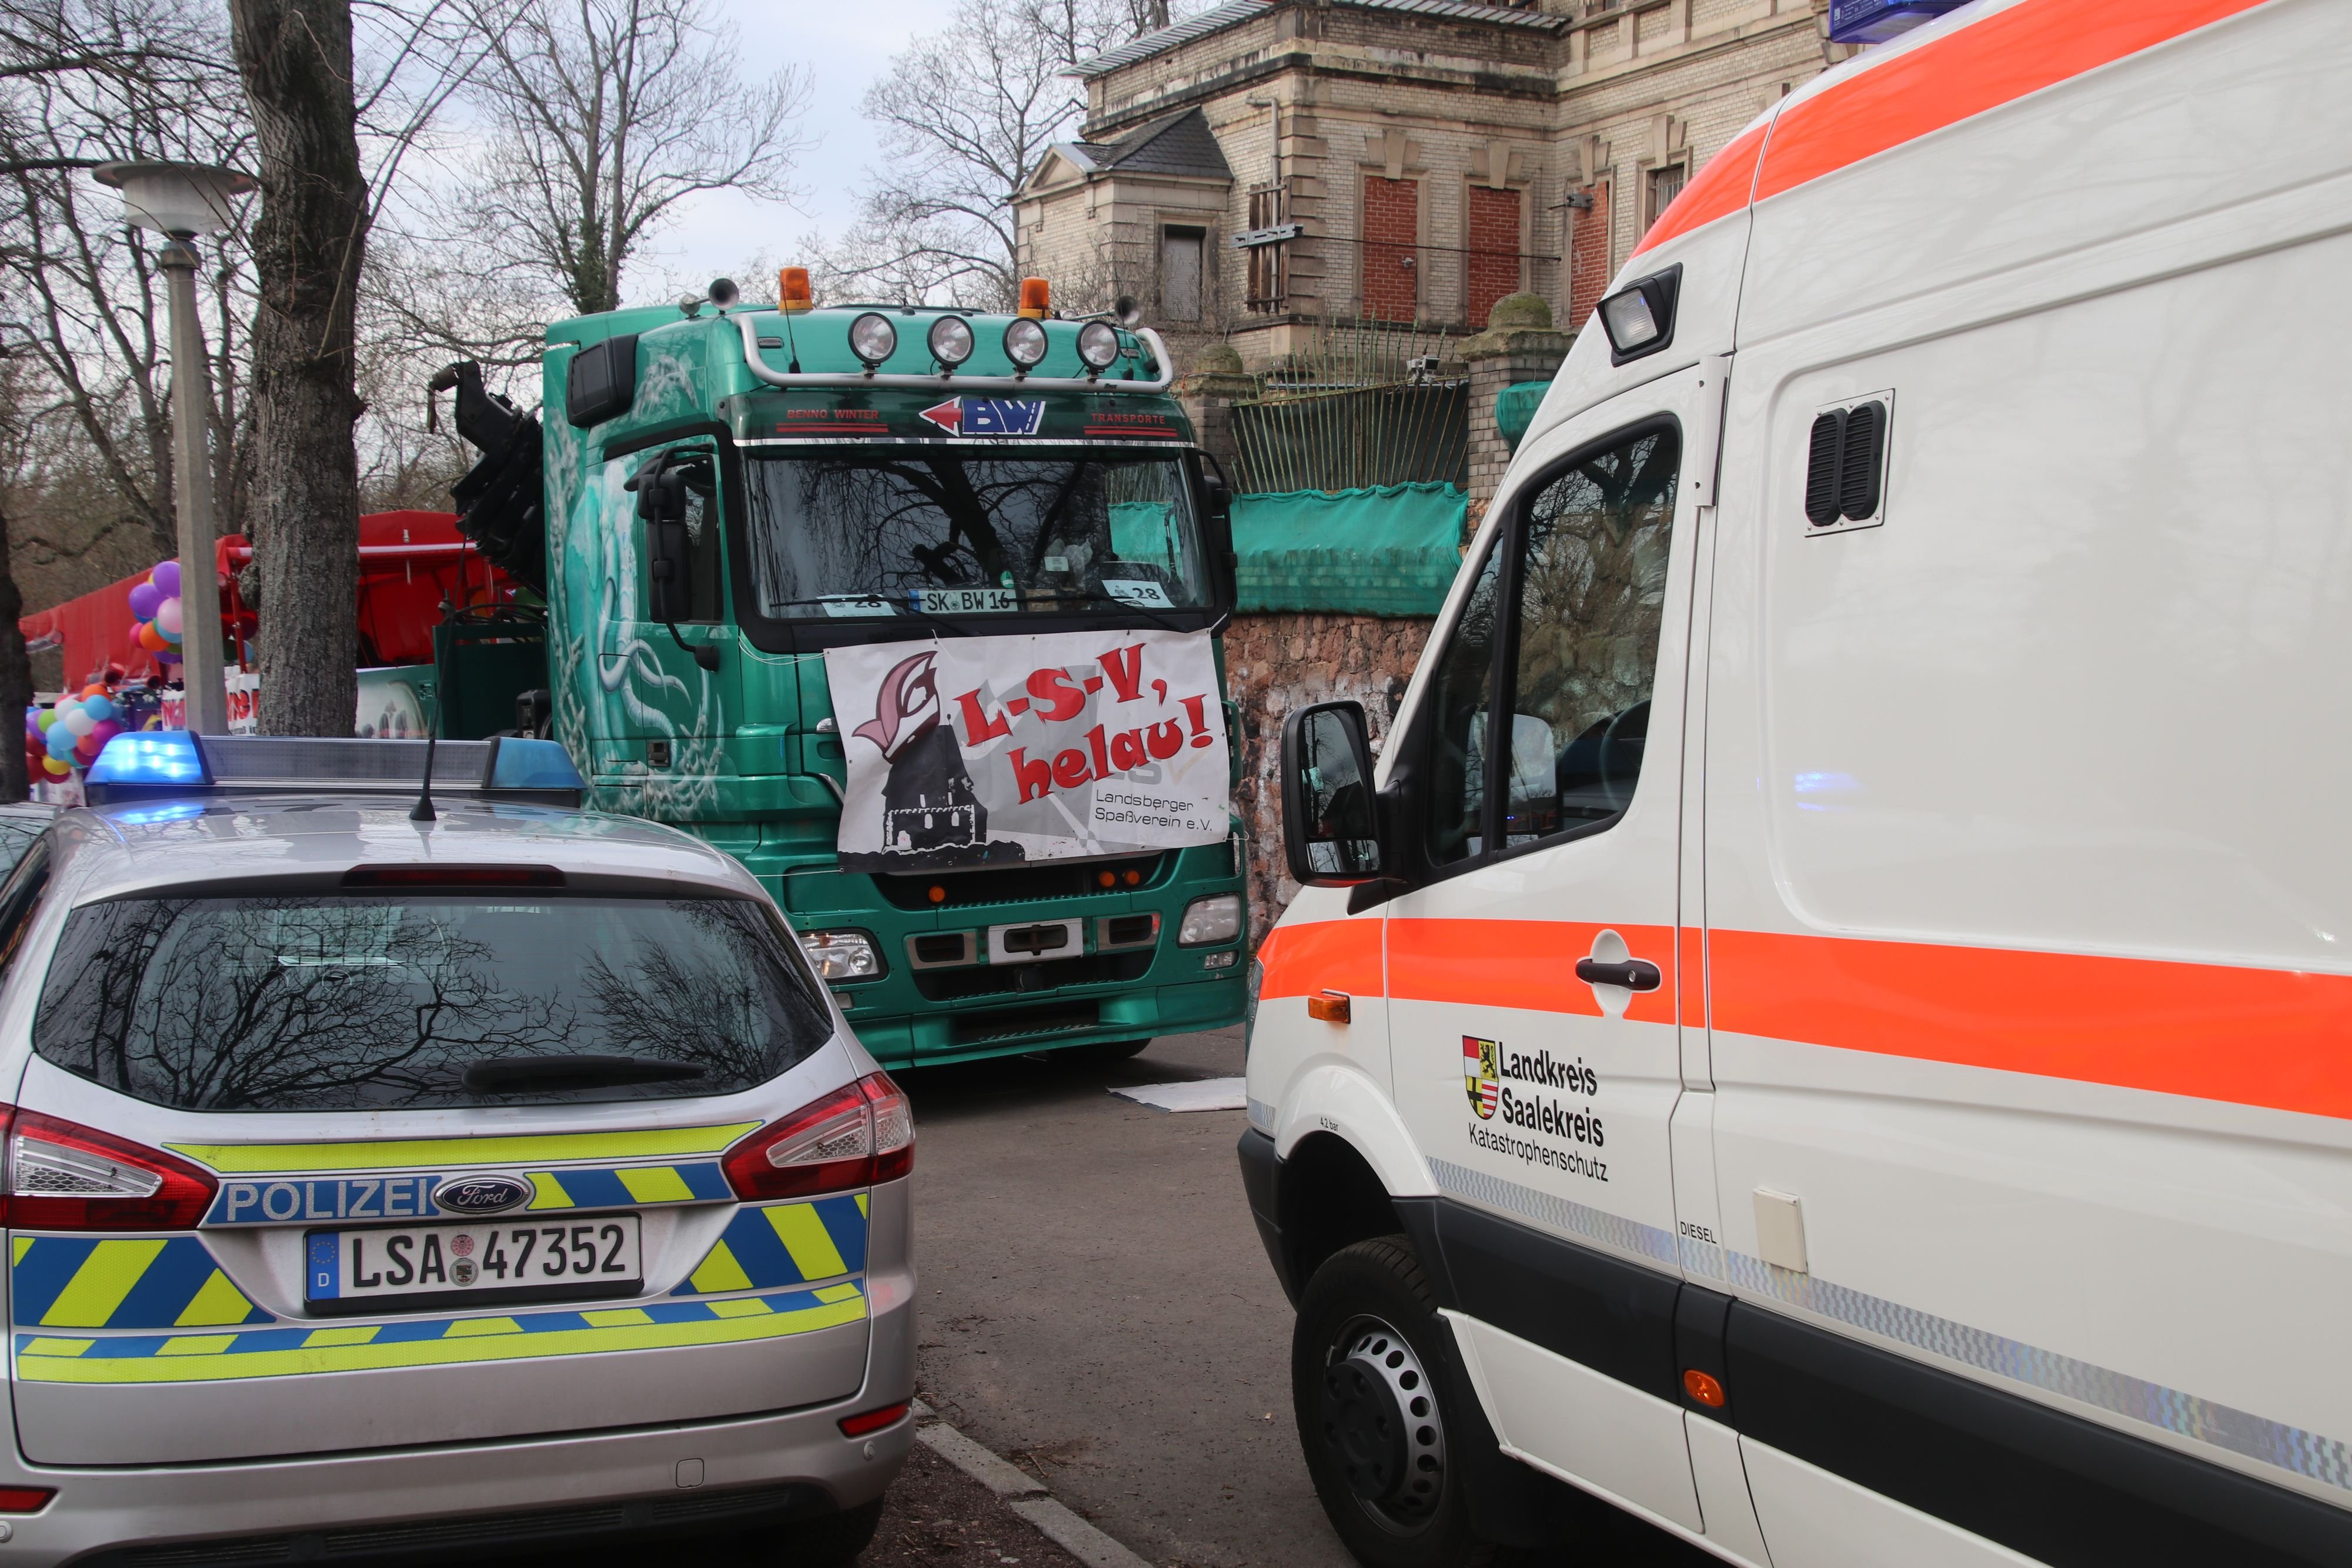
[829, 1542]
[1378, 1399]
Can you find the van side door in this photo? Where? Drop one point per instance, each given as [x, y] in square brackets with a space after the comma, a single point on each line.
[1531, 970]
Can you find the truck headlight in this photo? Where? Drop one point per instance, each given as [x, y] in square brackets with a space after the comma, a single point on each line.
[842, 955]
[1210, 920]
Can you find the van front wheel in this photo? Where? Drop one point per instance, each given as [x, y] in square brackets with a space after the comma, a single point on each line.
[1373, 1385]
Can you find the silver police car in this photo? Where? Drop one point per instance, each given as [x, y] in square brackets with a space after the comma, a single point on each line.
[389, 1178]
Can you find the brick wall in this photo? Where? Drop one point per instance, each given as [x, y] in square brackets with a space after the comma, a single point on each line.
[1392, 229]
[1589, 268]
[1494, 259]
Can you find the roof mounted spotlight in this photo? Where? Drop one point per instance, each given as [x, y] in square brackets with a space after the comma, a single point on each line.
[950, 342]
[873, 338]
[1024, 343]
[1639, 317]
[1098, 346]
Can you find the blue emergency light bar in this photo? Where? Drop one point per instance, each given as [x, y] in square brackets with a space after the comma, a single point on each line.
[1875, 21]
[172, 763]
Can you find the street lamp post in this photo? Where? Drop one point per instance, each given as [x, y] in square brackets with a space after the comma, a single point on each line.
[183, 201]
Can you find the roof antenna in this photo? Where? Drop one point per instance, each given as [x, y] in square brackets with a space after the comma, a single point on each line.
[423, 811]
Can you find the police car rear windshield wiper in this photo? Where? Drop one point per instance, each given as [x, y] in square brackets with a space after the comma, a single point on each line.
[520, 1074]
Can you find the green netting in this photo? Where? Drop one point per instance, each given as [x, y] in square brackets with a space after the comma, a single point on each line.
[1387, 552]
[1514, 408]
[1144, 532]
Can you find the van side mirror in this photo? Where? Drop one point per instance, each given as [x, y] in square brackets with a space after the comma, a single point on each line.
[1329, 824]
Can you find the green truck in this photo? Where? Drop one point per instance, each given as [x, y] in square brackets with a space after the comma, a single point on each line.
[991, 521]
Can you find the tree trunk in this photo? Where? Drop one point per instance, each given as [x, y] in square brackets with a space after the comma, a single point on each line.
[16, 673]
[294, 59]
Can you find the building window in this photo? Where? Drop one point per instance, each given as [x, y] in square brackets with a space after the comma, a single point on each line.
[1269, 265]
[1180, 273]
[1391, 241]
[1665, 184]
[1493, 268]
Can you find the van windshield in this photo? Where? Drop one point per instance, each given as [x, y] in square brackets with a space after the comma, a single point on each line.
[352, 1003]
[941, 531]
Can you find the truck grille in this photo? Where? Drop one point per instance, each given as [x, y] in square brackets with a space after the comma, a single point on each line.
[1027, 1023]
[1005, 979]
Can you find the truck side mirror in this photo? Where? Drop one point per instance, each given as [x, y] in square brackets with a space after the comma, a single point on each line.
[661, 501]
[1329, 828]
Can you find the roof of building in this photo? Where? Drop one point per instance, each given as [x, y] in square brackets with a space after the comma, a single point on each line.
[1234, 13]
[1174, 144]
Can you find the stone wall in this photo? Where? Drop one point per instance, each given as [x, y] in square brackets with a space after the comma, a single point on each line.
[1276, 664]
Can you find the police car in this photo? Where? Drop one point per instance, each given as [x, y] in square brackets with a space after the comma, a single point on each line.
[1830, 1025]
[392, 1173]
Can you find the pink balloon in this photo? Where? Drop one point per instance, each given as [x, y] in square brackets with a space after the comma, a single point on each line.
[166, 578]
[143, 599]
[167, 617]
[106, 730]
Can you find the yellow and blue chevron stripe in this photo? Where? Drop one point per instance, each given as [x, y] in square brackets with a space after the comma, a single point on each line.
[462, 1153]
[628, 1185]
[432, 1341]
[122, 1283]
[783, 1244]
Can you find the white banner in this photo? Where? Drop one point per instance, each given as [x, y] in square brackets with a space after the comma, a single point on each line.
[987, 750]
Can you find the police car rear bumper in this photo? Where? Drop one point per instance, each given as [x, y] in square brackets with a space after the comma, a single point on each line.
[440, 1503]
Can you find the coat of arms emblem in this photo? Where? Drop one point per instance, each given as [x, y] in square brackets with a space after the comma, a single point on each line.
[1480, 1072]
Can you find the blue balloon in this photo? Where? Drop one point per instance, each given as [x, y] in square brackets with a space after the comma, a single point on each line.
[97, 708]
[62, 742]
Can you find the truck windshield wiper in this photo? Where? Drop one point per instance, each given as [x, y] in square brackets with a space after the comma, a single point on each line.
[515, 1074]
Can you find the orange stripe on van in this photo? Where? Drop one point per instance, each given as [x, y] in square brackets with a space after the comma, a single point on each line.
[1693, 977]
[1717, 191]
[2279, 1039]
[1980, 66]
[1322, 955]
[1529, 964]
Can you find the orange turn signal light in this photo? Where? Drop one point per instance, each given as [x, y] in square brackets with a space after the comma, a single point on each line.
[1331, 1006]
[1034, 303]
[1106, 879]
[1134, 877]
[938, 894]
[793, 295]
[1703, 1388]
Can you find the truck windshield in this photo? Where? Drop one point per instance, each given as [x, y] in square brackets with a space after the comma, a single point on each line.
[941, 531]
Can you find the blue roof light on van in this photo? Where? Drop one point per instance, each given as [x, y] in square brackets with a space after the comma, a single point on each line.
[1875, 21]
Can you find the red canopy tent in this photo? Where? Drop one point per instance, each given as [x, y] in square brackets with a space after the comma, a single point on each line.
[410, 564]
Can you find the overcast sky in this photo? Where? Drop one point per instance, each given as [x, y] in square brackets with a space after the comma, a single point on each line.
[849, 43]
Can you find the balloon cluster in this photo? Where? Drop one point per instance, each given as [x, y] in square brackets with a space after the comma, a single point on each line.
[74, 731]
[155, 604]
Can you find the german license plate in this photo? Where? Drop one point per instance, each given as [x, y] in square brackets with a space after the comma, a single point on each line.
[510, 1260]
[969, 600]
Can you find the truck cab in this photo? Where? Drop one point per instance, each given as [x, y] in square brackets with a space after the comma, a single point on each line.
[727, 493]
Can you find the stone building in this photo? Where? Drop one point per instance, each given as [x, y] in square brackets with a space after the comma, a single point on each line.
[1267, 166]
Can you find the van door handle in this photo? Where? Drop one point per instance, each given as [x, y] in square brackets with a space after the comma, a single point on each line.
[1633, 974]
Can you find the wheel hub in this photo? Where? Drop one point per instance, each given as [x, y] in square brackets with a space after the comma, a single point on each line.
[1380, 1420]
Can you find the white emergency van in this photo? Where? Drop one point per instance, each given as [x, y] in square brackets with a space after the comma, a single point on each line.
[1829, 1024]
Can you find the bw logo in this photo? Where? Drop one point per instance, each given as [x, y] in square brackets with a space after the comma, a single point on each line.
[1480, 1074]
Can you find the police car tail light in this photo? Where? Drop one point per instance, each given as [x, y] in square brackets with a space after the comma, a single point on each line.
[65, 1176]
[855, 1136]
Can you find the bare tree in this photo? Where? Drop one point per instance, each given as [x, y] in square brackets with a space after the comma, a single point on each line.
[605, 115]
[966, 115]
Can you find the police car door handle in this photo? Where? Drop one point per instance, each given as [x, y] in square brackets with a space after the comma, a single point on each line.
[1633, 974]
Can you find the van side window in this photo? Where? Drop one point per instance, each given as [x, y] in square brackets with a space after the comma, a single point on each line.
[1590, 590]
[1460, 694]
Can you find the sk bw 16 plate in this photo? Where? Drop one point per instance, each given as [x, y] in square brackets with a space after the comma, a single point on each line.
[416, 1267]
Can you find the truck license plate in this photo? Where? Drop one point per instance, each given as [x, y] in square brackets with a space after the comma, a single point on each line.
[510, 1260]
[969, 600]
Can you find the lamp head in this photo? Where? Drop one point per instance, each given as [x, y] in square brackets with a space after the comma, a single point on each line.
[182, 200]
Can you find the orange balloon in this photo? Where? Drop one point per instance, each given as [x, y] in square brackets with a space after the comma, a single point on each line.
[154, 642]
[95, 689]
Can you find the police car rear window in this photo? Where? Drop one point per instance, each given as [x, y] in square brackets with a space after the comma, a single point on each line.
[350, 1003]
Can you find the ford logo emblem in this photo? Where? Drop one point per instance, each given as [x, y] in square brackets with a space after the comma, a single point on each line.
[482, 1194]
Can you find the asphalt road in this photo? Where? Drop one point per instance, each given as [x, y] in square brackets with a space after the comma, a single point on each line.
[1098, 1309]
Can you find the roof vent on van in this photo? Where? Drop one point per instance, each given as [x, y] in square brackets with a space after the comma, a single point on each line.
[1858, 466]
[1822, 458]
